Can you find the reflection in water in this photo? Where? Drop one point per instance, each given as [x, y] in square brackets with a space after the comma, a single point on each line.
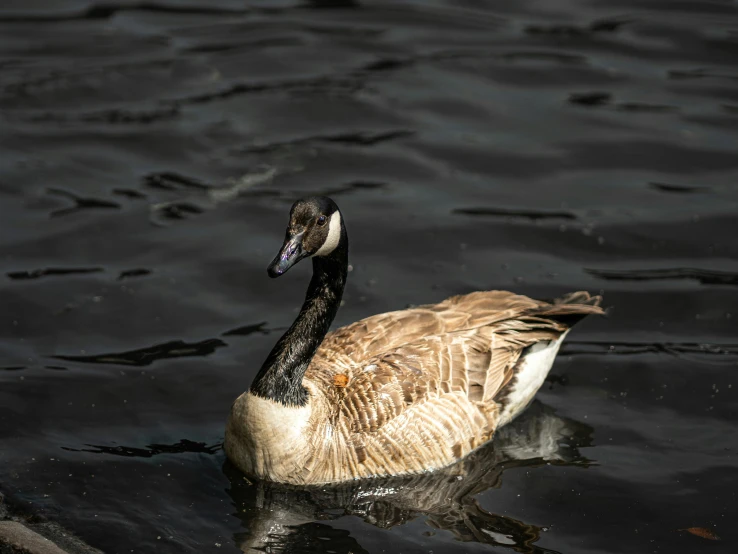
[280, 518]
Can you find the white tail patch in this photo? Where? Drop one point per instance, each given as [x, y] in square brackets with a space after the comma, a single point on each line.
[334, 235]
[534, 366]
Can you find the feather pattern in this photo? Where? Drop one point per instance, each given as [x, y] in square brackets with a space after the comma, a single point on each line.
[409, 391]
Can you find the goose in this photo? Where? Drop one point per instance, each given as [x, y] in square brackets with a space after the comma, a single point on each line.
[398, 393]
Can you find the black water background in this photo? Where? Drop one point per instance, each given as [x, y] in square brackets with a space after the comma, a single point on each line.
[149, 153]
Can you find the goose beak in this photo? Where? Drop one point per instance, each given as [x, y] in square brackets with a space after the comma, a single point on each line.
[290, 253]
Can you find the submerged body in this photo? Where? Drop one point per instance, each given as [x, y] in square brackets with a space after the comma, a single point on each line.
[397, 393]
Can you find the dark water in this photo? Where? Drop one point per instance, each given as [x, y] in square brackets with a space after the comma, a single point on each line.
[150, 152]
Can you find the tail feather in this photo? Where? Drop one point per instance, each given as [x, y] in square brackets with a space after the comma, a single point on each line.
[571, 308]
[579, 297]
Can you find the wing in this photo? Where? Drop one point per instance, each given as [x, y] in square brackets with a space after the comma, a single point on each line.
[413, 390]
[385, 332]
[386, 364]
[472, 365]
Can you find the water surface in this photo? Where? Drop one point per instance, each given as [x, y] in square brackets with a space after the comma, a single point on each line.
[149, 153]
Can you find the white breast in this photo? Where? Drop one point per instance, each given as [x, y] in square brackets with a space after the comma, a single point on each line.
[266, 438]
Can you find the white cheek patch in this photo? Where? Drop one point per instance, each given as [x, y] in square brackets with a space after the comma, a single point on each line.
[334, 236]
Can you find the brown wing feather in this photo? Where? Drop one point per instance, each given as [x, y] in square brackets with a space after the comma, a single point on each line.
[417, 387]
[380, 333]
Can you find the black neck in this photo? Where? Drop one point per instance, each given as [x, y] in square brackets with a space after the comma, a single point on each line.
[280, 377]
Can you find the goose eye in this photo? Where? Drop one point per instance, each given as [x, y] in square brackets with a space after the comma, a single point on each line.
[321, 220]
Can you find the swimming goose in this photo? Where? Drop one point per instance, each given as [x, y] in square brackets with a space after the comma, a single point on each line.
[394, 394]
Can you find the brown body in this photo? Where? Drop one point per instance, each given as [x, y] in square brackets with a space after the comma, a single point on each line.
[406, 392]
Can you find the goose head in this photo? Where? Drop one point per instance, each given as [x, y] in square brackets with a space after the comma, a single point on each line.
[315, 229]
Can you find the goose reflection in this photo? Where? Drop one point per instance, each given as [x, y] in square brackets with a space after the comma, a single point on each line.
[287, 519]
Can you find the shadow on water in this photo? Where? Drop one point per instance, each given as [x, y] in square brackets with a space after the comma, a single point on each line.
[279, 518]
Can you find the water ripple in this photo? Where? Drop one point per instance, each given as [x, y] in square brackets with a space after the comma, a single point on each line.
[570, 348]
[52, 272]
[147, 356]
[704, 276]
[107, 11]
[184, 446]
[534, 215]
